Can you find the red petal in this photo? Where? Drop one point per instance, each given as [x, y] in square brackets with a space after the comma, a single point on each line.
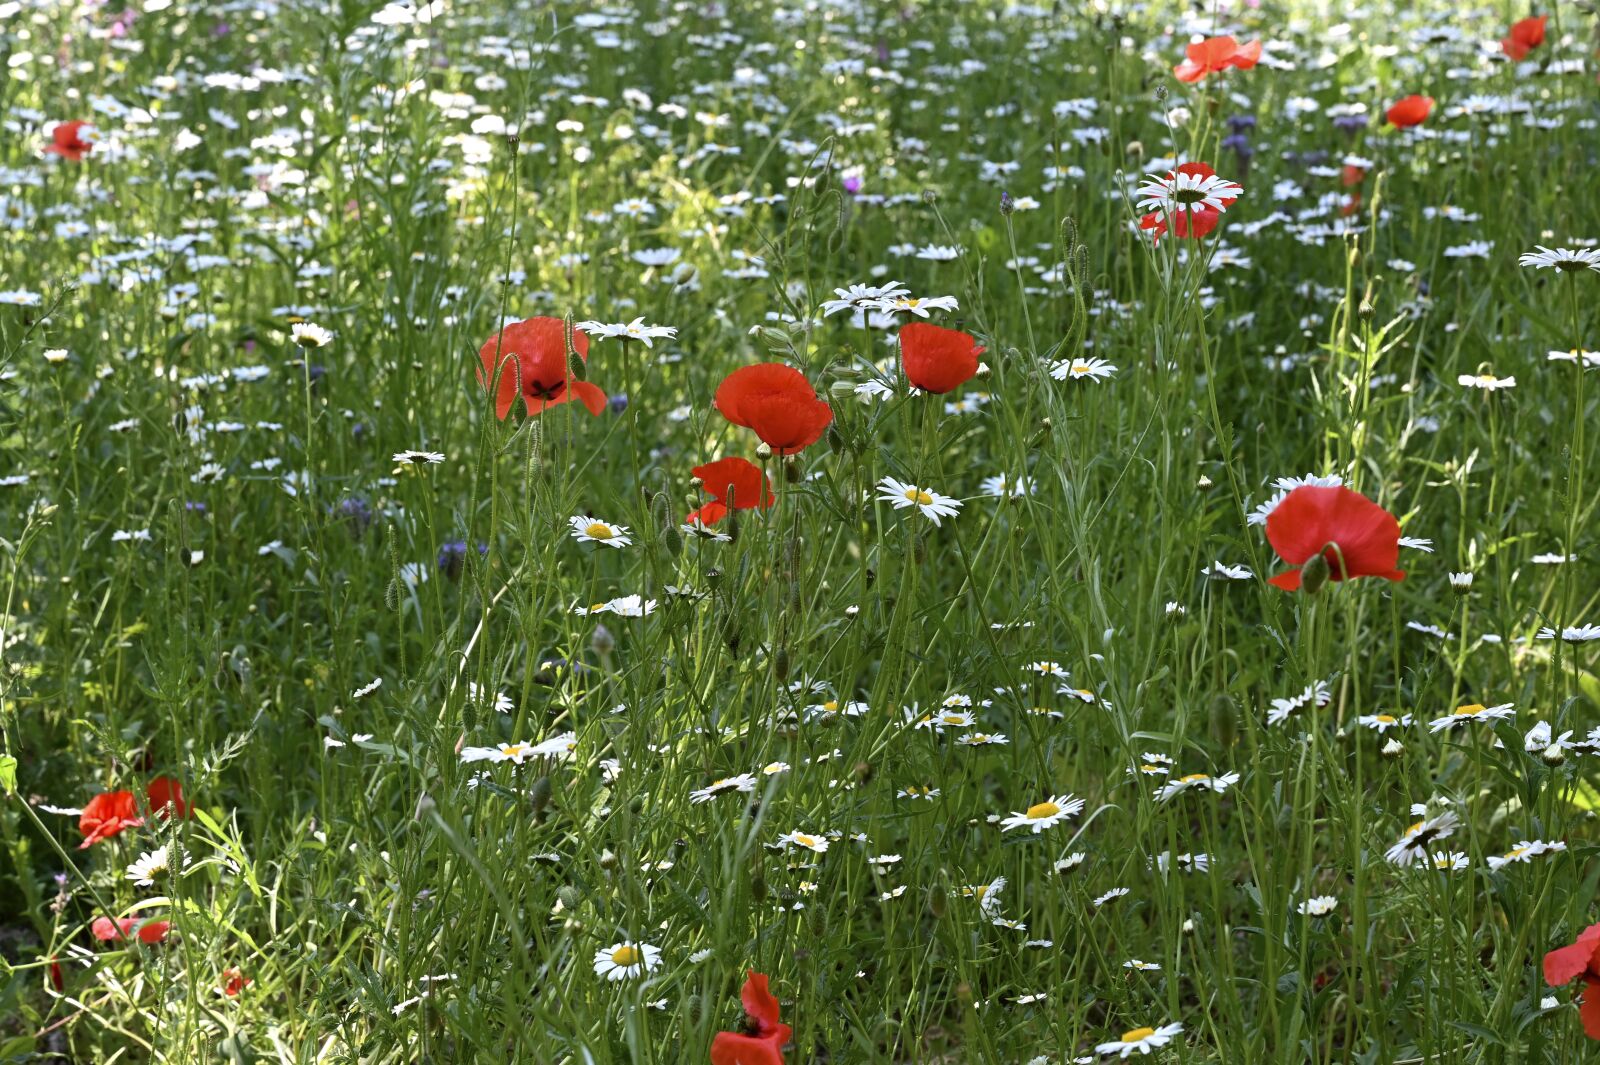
[1563, 964]
[1590, 1011]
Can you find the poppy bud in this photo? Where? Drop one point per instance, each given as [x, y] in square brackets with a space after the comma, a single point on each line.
[713, 576]
[792, 470]
[964, 994]
[773, 338]
[780, 663]
[602, 641]
[758, 884]
[930, 196]
[836, 442]
[936, 905]
[1314, 574]
[539, 794]
[862, 771]
[819, 921]
[569, 897]
[1224, 723]
[672, 540]
[919, 550]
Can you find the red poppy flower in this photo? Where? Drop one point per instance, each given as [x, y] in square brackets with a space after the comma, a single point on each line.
[777, 402]
[149, 932]
[736, 476]
[762, 1042]
[1353, 534]
[1214, 55]
[530, 358]
[57, 980]
[937, 360]
[1412, 111]
[110, 812]
[1565, 964]
[1525, 36]
[107, 814]
[166, 798]
[234, 981]
[71, 140]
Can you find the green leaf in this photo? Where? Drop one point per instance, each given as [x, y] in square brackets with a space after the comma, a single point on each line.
[8, 774]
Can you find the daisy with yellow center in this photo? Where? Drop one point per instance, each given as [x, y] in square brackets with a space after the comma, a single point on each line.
[987, 895]
[929, 503]
[745, 782]
[623, 961]
[516, 753]
[1196, 782]
[1078, 369]
[1139, 1040]
[1471, 712]
[814, 844]
[595, 531]
[1047, 814]
[1415, 840]
[1525, 852]
[1381, 723]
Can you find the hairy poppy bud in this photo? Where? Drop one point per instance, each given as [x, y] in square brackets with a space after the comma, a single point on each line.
[539, 794]
[793, 472]
[569, 897]
[1314, 574]
[780, 663]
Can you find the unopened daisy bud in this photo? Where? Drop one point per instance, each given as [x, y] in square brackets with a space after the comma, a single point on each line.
[1188, 925]
[984, 371]
[930, 196]
[763, 451]
[1134, 150]
[1393, 749]
[602, 642]
[713, 577]
[1461, 583]
[608, 859]
[1554, 754]
[1366, 310]
[1205, 484]
[1314, 574]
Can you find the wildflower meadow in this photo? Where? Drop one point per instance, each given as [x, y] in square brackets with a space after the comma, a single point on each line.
[799, 531]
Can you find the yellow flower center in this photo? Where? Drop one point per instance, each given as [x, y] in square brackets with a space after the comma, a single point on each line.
[953, 719]
[1487, 378]
[1413, 829]
[1384, 719]
[1138, 1034]
[805, 841]
[599, 531]
[1194, 778]
[1148, 768]
[1043, 810]
[831, 705]
[511, 750]
[1080, 367]
[1470, 710]
[1516, 852]
[625, 956]
[979, 891]
[918, 496]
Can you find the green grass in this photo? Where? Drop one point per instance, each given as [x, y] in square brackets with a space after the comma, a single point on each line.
[410, 187]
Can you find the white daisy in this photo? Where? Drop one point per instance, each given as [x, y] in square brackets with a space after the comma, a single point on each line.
[623, 961]
[1469, 713]
[1044, 815]
[1077, 369]
[1561, 258]
[1140, 1040]
[149, 865]
[931, 504]
[745, 782]
[1415, 840]
[595, 531]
